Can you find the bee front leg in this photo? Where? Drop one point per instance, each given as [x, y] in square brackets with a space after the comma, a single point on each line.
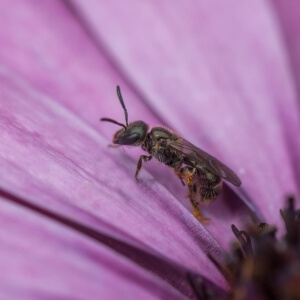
[139, 164]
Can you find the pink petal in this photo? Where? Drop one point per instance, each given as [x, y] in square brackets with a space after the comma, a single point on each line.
[238, 71]
[68, 65]
[215, 68]
[42, 260]
[46, 150]
[288, 14]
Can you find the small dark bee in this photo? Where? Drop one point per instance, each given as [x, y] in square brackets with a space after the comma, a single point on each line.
[201, 172]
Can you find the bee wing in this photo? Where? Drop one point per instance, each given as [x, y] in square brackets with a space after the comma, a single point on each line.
[204, 159]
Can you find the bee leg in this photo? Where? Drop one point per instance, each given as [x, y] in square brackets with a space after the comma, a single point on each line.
[180, 177]
[139, 164]
[196, 211]
[190, 175]
[179, 173]
[187, 173]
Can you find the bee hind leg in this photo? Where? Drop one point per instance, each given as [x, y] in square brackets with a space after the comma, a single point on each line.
[196, 210]
[186, 173]
[190, 176]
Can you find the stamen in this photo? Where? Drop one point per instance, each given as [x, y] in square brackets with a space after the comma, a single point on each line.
[198, 286]
[244, 239]
[260, 266]
[292, 223]
[222, 268]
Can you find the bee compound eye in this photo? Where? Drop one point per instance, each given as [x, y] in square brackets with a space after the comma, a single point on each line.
[129, 139]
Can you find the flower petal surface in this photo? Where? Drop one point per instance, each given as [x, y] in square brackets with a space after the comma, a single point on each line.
[225, 83]
[71, 62]
[48, 150]
[42, 260]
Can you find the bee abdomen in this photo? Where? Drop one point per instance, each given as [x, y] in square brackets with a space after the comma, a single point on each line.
[209, 192]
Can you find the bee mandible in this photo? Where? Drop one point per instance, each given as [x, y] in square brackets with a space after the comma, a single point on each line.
[200, 171]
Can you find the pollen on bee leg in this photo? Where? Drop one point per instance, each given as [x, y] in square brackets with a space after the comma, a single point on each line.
[198, 215]
[190, 177]
[192, 192]
[188, 173]
[189, 180]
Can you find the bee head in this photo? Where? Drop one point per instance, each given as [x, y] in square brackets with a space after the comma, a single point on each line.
[132, 134]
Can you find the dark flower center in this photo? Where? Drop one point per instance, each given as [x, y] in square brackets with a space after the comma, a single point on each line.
[261, 266]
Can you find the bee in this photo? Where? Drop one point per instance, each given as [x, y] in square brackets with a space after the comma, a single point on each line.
[201, 172]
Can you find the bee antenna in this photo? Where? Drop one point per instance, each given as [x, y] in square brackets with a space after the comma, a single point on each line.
[112, 121]
[123, 104]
